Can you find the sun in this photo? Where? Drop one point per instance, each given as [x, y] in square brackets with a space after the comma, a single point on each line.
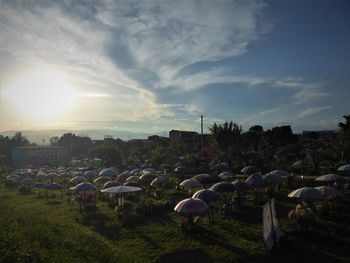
[40, 93]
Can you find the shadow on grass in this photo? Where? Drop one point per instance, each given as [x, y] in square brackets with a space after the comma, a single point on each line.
[184, 255]
[101, 224]
[209, 237]
[132, 221]
[54, 202]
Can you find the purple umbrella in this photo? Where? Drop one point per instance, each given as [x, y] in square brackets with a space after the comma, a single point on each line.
[223, 187]
[191, 207]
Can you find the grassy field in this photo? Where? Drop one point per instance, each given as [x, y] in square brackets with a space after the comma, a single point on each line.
[36, 229]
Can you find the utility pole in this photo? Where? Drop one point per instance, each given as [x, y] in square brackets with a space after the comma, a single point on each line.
[202, 135]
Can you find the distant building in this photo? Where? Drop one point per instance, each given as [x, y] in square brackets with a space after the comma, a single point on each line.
[158, 140]
[329, 136]
[189, 138]
[40, 155]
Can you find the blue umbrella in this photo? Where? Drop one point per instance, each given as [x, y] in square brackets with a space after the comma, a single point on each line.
[54, 186]
[83, 187]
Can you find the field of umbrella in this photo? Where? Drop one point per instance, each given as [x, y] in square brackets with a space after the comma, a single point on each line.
[145, 215]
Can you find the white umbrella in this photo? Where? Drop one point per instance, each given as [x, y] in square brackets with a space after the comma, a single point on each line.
[226, 175]
[329, 178]
[191, 207]
[190, 183]
[121, 189]
[108, 172]
[306, 193]
[281, 173]
[344, 168]
[133, 178]
[78, 179]
[102, 179]
[329, 191]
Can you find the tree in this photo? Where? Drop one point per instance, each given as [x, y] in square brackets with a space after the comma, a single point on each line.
[109, 155]
[344, 139]
[226, 135]
[79, 146]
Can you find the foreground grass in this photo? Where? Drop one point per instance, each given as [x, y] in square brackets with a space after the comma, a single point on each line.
[39, 230]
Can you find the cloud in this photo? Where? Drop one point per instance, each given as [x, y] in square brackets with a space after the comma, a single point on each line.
[310, 111]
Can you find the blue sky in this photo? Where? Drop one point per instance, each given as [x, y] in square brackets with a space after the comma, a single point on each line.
[152, 66]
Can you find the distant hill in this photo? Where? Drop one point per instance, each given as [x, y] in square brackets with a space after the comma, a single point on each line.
[43, 136]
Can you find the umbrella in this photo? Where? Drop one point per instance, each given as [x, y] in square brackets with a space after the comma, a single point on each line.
[133, 178]
[207, 195]
[147, 177]
[344, 168]
[241, 186]
[90, 174]
[132, 183]
[329, 178]
[220, 166]
[190, 183]
[250, 169]
[179, 169]
[191, 207]
[53, 186]
[123, 176]
[226, 175]
[39, 185]
[108, 172]
[206, 178]
[223, 187]
[306, 193]
[300, 164]
[135, 171]
[85, 186]
[52, 175]
[64, 175]
[121, 189]
[329, 191]
[275, 178]
[78, 179]
[78, 174]
[102, 179]
[149, 170]
[110, 184]
[281, 173]
[255, 180]
[160, 180]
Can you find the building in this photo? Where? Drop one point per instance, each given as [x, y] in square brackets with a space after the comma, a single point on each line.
[40, 155]
[189, 138]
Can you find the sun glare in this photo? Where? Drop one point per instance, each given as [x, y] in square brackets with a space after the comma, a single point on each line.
[40, 93]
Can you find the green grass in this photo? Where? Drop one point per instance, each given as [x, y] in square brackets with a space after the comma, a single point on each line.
[36, 229]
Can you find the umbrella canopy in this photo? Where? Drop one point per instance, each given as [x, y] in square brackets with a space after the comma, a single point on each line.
[281, 173]
[83, 187]
[226, 175]
[102, 179]
[179, 169]
[329, 191]
[110, 184]
[78, 179]
[190, 183]
[300, 164]
[90, 174]
[64, 175]
[306, 193]
[123, 176]
[220, 166]
[108, 172]
[191, 207]
[250, 169]
[344, 168]
[207, 195]
[206, 178]
[121, 189]
[255, 180]
[329, 178]
[147, 177]
[52, 175]
[53, 186]
[160, 180]
[132, 183]
[135, 172]
[39, 185]
[133, 178]
[274, 178]
[241, 186]
[149, 170]
[223, 187]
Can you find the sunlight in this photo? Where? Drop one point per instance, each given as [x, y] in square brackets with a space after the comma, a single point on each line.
[40, 93]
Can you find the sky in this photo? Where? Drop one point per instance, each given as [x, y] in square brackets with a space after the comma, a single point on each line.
[152, 66]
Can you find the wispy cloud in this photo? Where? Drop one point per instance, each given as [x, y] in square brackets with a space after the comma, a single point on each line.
[311, 111]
